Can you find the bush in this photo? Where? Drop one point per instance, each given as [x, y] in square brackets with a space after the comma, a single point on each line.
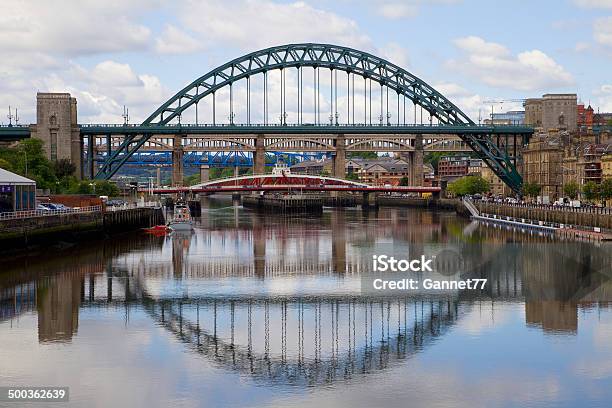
[531, 189]
[606, 189]
[591, 191]
[469, 185]
[571, 190]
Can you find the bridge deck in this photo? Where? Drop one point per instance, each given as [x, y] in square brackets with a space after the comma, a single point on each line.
[225, 129]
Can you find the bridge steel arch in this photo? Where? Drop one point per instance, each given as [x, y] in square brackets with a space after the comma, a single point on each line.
[321, 56]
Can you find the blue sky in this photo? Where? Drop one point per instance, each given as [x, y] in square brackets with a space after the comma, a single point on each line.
[138, 53]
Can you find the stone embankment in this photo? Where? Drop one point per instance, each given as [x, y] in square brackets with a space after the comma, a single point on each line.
[72, 226]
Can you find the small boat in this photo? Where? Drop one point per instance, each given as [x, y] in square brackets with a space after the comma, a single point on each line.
[157, 230]
[181, 219]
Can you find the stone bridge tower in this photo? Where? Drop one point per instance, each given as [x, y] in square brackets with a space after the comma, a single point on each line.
[56, 126]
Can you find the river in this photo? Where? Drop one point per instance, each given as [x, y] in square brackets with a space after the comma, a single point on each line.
[266, 310]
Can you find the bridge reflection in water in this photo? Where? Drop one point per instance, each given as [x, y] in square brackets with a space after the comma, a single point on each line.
[237, 291]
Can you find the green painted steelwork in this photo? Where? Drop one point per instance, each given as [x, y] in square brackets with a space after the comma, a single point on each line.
[302, 129]
[334, 58]
[12, 133]
[330, 57]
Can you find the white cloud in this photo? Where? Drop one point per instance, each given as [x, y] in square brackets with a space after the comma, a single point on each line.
[252, 24]
[72, 28]
[396, 54]
[113, 73]
[604, 97]
[175, 41]
[471, 104]
[602, 31]
[496, 66]
[395, 11]
[101, 91]
[594, 3]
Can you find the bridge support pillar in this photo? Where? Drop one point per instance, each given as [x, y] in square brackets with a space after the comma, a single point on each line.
[259, 156]
[259, 246]
[91, 168]
[416, 164]
[369, 200]
[204, 173]
[177, 161]
[339, 158]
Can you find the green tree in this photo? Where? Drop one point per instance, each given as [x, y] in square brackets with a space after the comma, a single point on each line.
[531, 189]
[107, 188]
[28, 159]
[404, 181]
[606, 189]
[192, 180]
[590, 191]
[571, 190]
[352, 176]
[469, 185]
[63, 168]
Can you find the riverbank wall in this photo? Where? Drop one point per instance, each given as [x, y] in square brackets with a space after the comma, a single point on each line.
[71, 227]
[566, 216]
[432, 203]
[285, 204]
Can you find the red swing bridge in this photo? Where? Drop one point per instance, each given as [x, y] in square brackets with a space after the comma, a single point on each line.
[287, 182]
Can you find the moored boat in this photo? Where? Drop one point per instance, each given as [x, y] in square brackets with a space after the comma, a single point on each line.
[181, 219]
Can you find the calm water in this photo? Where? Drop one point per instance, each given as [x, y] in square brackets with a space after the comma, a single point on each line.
[264, 310]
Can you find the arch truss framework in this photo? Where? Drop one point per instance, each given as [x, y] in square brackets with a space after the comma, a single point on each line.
[450, 119]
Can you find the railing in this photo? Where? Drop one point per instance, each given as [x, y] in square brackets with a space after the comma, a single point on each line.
[216, 125]
[80, 210]
[586, 210]
[130, 206]
[47, 213]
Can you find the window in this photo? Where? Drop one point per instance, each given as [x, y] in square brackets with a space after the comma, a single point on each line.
[53, 146]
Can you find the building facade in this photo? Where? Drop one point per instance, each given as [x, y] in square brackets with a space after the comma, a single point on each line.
[506, 118]
[452, 167]
[542, 164]
[17, 193]
[496, 186]
[552, 111]
[533, 112]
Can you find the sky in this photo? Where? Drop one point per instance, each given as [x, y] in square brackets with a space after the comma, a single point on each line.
[138, 53]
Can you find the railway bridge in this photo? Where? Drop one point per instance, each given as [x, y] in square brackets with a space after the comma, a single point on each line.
[296, 98]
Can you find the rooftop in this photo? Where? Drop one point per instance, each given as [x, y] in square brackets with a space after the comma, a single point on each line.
[10, 178]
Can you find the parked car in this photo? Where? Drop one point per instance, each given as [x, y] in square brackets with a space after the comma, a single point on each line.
[47, 206]
[115, 203]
